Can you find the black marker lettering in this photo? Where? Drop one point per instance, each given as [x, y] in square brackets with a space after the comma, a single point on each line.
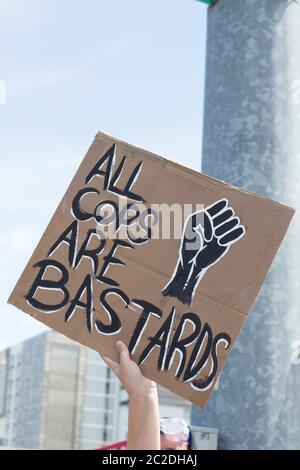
[192, 370]
[160, 339]
[69, 236]
[111, 259]
[88, 305]
[131, 182]
[115, 324]
[204, 384]
[112, 185]
[178, 344]
[126, 192]
[59, 285]
[142, 227]
[79, 213]
[91, 253]
[148, 310]
[107, 158]
[107, 219]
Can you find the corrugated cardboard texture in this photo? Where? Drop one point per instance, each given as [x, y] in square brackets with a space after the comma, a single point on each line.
[204, 309]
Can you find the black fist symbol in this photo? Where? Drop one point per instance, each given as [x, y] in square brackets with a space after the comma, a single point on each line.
[207, 237]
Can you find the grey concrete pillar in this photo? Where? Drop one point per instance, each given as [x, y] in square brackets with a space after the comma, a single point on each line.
[252, 139]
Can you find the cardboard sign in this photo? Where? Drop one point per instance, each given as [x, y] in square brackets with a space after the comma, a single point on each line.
[164, 258]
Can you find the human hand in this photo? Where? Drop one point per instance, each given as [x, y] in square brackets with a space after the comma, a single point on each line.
[129, 373]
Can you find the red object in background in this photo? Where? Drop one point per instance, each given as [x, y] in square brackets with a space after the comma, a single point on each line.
[122, 445]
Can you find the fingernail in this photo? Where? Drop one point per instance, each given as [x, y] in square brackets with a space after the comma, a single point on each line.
[119, 345]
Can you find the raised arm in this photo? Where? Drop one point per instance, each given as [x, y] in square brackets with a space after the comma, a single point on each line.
[143, 413]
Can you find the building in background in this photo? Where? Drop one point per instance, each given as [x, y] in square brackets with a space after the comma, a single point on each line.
[57, 394]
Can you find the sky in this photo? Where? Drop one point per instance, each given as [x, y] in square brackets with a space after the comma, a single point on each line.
[131, 68]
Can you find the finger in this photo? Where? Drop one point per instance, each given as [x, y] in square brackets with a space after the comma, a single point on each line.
[123, 350]
[113, 365]
[232, 236]
[224, 228]
[223, 217]
[208, 230]
[216, 207]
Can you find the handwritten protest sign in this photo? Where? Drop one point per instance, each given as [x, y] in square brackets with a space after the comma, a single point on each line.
[162, 257]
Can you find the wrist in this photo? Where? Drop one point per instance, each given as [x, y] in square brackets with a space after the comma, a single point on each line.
[145, 392]
[182, 284]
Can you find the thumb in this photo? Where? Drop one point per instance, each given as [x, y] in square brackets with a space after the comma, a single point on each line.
[123, 351]
[113, 365]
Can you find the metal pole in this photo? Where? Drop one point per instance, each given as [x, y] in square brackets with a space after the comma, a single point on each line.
[252, 139]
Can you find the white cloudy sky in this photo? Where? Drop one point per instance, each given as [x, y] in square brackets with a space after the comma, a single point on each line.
[132, 68]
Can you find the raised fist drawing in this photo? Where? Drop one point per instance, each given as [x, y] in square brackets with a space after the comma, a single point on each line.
[207, 237]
